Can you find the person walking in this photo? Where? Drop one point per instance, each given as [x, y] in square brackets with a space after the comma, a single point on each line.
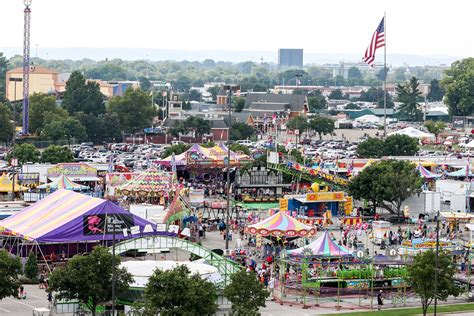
[379, 300]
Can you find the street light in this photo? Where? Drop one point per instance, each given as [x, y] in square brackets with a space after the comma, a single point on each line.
[231, 89]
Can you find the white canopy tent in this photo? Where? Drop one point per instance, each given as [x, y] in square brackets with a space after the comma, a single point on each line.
[470, 144]
[368, 119]
[412, 132]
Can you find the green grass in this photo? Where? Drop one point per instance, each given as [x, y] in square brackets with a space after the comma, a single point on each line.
[416, 311]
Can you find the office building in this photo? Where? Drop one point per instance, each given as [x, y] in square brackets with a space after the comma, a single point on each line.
[290, 57]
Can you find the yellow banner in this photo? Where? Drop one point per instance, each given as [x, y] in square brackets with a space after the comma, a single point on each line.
[283, 204]
[325, 196]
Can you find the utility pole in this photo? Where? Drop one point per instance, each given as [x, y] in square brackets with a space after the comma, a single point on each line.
[231, 89]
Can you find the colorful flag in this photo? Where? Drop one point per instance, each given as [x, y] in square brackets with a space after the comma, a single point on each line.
[377, 41]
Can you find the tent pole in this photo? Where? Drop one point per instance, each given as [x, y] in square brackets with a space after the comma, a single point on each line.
[44, 258]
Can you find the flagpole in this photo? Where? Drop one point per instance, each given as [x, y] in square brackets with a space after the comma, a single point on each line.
[385, 76]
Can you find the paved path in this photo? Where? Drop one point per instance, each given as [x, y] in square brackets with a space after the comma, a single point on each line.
[35, 298]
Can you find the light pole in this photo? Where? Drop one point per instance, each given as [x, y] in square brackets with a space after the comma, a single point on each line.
[231, 89]
[436, 265]
[113, 222]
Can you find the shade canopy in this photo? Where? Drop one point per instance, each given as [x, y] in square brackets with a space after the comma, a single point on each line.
[66, 216]
[281, 224]
[63, 182]
[6, 185]
[426, 174]
[412, 132]
[324, 247]
[460, 173]
[148, 184]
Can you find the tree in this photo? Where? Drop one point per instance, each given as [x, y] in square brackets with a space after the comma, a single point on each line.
[409, 95]
[214, 90]
[176, 149]
[317, 102]
[238, 147]
[177, 292]
[354, 76]
[82, 96]
[400, 145]
[352, 106]
[436, 91]
[459, 84]
[321, 125]
[40, 104]
[145, 84]
[197, 125]
[435, 127]
[298, 122]
[24, 153]
[10, 268]
[245, 293]
[31, 267]
[133, 109]
[64, 128]
[57, 154]
[241, 131]
[194, 95]
[371, 148]
[239, 104]
[421, 277]
[387, 183]
[7, 128]
[187, 106]
[3, 75]
[376, 95]
[336, 95]
[89, 279]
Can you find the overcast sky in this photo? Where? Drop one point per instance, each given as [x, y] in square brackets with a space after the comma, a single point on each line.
[424, 27]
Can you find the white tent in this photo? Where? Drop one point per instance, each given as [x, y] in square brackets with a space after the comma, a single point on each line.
[412, 132]
[469, 145]
[368, 119]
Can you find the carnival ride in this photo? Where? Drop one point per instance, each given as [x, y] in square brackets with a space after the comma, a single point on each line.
[158, 244]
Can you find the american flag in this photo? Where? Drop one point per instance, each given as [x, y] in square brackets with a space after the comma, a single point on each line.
[377, 41]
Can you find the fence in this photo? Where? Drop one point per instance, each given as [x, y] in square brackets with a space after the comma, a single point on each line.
[43, 143]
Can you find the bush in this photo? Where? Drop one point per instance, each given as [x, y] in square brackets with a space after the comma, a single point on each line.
[31, 267]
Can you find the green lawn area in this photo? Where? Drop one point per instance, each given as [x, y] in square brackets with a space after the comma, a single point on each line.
[416, 311]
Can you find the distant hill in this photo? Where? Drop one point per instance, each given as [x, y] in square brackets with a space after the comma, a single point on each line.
[78, 53]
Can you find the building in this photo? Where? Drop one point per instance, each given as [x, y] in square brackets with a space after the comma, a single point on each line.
[266, 104]
[42, 80]
[290, 57]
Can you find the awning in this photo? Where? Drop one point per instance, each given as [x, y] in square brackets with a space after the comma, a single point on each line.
[80, 179]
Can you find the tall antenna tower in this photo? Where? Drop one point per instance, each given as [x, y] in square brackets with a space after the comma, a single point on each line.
[26, 66]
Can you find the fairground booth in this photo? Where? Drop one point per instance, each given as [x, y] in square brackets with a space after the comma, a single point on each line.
[67, 223]
[314, 208]
[9, 187]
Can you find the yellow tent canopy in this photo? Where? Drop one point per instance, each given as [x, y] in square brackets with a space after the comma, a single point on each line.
[427, 163]
[6, 185]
